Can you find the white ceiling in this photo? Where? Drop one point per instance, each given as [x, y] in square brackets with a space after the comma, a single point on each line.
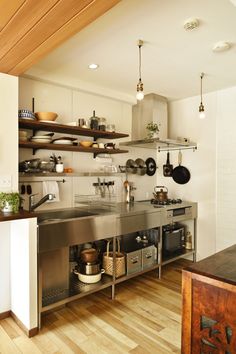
[172, 58]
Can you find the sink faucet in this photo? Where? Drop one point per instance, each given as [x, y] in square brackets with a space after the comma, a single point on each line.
[33, 206]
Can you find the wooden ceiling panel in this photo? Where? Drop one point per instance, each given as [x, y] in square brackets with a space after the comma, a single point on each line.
[42, 25]
[8, 9]
[19, 26]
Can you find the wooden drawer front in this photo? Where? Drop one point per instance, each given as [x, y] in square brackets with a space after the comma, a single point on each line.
[213, 319]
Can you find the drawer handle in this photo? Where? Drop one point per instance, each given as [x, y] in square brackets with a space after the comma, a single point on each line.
[134, 262]
[148, 256]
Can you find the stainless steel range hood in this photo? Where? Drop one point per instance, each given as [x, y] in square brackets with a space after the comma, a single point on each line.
[153, 108]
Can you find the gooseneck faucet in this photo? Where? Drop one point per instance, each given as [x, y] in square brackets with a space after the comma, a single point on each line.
[33, 206]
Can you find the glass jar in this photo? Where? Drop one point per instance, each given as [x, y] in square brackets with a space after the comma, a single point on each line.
[102, 124]
[94, 121]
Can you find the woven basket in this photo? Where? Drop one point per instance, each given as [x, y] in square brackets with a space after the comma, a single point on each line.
[108, 261]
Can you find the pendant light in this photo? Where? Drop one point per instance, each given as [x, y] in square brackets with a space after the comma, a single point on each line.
[201, 107]
[140, 94]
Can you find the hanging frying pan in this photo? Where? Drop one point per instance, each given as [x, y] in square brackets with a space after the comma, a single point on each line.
[151, 166]
[180, 174]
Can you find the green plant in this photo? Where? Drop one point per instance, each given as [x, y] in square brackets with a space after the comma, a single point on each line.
[12, 199]
[152, 128]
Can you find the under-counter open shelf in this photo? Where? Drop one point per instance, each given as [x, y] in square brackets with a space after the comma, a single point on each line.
[77, 289]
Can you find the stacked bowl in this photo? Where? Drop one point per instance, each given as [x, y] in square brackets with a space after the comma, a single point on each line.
[23, 135]
[26, 114]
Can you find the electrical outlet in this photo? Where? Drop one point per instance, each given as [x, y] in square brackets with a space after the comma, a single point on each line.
[5, 181]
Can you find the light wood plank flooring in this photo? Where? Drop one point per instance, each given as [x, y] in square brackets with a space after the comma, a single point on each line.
[144, 318]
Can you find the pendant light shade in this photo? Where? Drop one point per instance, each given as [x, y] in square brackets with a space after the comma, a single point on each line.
[201, 109]
[140, 94]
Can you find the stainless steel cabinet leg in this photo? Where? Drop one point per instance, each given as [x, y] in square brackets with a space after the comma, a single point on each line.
[113, 292]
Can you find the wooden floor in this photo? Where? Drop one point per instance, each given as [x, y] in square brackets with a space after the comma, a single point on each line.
[144, 318]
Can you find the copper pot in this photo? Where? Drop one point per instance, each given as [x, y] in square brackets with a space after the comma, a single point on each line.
[89, 255]
[161, 193]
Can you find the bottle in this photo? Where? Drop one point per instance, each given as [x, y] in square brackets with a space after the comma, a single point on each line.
[94, 122]
[188, 243]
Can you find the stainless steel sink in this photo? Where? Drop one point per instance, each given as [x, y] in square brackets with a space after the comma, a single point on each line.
[57, 216]
[63, 228]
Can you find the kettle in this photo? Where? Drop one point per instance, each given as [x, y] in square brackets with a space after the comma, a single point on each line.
[161, 193]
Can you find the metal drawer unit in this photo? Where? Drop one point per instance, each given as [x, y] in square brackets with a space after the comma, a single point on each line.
[134, 262]
[149, 256]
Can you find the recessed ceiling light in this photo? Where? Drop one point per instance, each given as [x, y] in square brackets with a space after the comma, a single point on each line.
[221, 46]
[191, 23]
[93, 66]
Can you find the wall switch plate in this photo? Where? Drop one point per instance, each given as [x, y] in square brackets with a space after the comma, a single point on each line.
[5, 181]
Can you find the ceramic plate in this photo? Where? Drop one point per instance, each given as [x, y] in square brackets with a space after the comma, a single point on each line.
[45, 141]
[64, 142]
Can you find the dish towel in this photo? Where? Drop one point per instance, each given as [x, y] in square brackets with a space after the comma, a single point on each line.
[51, 187]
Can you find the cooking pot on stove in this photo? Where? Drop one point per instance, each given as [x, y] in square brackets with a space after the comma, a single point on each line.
[160, 193]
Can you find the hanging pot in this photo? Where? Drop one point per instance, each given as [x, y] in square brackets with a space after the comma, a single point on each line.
[160, 193]
[181, 174]
[131, 166]
[167, 168]
[142, 168]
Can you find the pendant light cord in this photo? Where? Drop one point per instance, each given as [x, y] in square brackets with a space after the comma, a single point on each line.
[140, 62]
[202, 74]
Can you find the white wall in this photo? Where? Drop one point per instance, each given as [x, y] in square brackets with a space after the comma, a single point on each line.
[9, 130]
[212, 167]
[70, 104]
[226, 168]
[184, 122]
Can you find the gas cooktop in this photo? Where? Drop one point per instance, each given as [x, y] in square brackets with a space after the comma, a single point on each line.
[166, 202]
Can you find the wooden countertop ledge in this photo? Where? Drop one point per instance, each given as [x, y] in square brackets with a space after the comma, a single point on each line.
[23, 214]
[220, 266]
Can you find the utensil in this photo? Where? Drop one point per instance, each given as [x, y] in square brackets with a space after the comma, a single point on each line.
[160, 194]
[46, 116]
[167, 168]
[142, 168]
[131, 166]
[181, 174]
[90, 268]
[89, 255]
[151, 166]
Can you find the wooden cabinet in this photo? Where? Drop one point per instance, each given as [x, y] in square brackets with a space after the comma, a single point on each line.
[209, 312]
[66, 129]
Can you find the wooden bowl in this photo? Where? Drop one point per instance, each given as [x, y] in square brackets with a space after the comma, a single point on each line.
[86, 143]
[46, 115]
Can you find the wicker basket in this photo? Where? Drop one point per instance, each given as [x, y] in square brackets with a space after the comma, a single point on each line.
[108, 261]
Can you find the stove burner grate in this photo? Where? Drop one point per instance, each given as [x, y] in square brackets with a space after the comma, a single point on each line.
[166, 202]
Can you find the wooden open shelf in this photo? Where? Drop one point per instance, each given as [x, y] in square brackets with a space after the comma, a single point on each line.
[67, 129]
[61, 147]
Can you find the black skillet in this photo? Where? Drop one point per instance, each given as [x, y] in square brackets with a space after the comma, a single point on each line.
[180, 174]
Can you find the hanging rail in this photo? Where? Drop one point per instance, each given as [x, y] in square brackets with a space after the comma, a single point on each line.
[47, 180]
